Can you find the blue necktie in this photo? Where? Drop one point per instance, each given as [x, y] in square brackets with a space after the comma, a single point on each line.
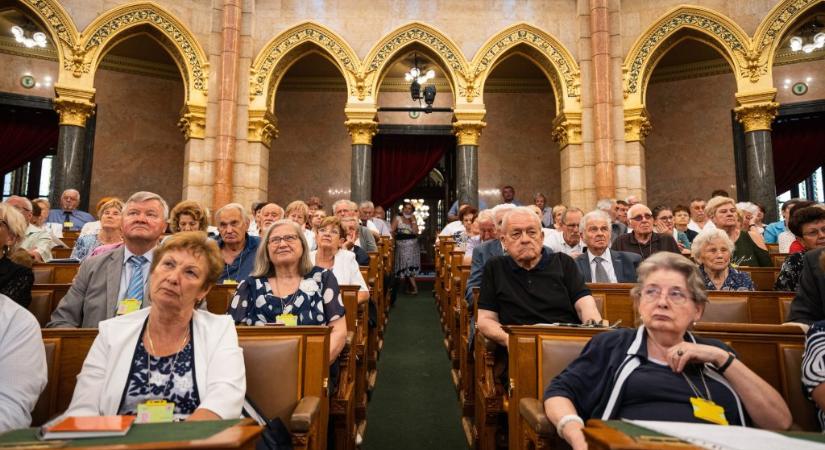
[135, 289]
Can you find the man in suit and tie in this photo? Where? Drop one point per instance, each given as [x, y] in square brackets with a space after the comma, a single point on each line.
[598, 263]
[115, 283]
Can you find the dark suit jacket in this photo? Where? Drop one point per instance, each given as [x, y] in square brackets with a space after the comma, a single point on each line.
[807, 307]
[624, 266]
[93, 295]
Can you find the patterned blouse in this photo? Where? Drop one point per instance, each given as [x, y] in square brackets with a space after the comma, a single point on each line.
[788, 279]
[813, 364]
[170, 378]
[736, 281]
[316, 302]
[84, 246]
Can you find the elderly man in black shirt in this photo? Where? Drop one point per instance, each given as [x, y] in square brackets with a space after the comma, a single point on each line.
[530, 284]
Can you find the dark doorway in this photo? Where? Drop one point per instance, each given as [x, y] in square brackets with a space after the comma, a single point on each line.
[416, 163]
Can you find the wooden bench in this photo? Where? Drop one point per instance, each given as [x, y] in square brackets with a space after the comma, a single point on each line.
[54, 273]
[763, 277]
[539, 353]
[297, 357]
[61, 252]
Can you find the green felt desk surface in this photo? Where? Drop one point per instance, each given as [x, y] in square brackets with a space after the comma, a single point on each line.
[138, 434]
[635, 431]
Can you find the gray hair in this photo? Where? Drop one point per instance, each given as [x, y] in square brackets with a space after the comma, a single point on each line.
[499, 211]
[230, 206]
[747, 207]
[367, 204]
[486, 215]
[604, 204]
[343, 201]
[631, 211]
[519, 210]
[263, 264]
[713, 204]
[677, 263]
[24, 199]
[145, 196]
[569, 210]
[16, 222]
[705, 237]
[592, 215]
[75, 191]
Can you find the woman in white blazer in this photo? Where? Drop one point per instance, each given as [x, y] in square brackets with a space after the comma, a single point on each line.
[170, 351]
[331, 256]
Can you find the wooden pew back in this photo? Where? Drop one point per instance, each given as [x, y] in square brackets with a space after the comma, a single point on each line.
[54, 273]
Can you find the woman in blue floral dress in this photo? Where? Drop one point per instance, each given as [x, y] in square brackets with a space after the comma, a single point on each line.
[712, 250]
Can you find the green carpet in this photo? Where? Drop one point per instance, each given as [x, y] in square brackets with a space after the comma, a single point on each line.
[414, 404]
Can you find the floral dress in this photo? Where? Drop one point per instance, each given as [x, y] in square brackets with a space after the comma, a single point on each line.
[407, 253]
[170, 378]
[736, 281]
[788, 279]
[316, 302]
[84, 246]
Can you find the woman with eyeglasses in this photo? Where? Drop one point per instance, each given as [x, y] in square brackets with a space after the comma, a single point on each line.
[808, 224]
[330, 255]
[663, 222]
[285, 288]
[661, 371]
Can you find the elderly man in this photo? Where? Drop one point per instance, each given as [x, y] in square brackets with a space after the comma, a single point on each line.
[350, 241]
[642, 240]
[698, 219]
[598, 263]
[37, 241]
[530, 284]
[265, 214]
[68, 214]
[366, 240]
[366, 213]
[487, 250]
[116, 283]
[568, 240]
[237, 246]
[616, 228]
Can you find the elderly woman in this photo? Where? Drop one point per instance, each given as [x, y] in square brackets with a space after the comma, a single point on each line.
[712, 250]
[661, 371]
[188, 215]
[286, 288]
[663, 222]
[94, 227]
[750, 247]
[298, 212]
[170, 351]
[331, 256]
[315, 220]
[459, 229]
[808, 223]
[407, 253]
[109, 232]
[558, 213]
[15, 280]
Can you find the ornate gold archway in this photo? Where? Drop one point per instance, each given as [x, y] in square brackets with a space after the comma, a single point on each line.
[59, 25]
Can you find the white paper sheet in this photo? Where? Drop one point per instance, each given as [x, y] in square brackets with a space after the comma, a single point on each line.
[717, 437]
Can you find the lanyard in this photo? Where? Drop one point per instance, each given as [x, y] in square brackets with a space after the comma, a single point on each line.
[695, 389]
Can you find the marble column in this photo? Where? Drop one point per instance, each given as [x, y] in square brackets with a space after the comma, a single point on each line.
[362, 132]
[228, 81]
[67, 170]
[760, 182]
[602, 102]
[630, 155]
[467, 132]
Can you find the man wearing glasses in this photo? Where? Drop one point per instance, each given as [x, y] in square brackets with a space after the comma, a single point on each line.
[569, 239]
[643, 241]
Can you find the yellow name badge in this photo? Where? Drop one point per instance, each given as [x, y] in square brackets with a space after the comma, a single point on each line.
[707, 410]
[228, 281]
[290, 320]
[128, 305]
[155, 411]
[68, 224]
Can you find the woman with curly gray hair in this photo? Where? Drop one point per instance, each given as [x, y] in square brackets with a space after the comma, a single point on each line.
[661, 371]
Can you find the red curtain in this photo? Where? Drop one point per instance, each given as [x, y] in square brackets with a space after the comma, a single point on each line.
[26, 134]
[798, 149]
[401, 161]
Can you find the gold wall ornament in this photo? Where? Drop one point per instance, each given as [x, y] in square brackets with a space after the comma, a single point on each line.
[774, 26]
[756, 117]
[468, 132]
[263, 127]
[74, 106]
[55, 19]
[361, 131]
[636, 125]
[192, 122]
[567, 129]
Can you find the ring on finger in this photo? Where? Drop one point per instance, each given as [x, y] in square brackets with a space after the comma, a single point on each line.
[680, 352]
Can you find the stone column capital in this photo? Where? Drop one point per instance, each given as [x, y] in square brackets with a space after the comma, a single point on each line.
[468, 131]
[263, 127]
[74, 106]
[567, 129]
[757, 116]
[192, 121]
[636, 125]
[361, 131]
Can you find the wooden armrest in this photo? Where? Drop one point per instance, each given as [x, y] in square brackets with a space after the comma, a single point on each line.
[350, 337]
[305, 414]
[532, 410]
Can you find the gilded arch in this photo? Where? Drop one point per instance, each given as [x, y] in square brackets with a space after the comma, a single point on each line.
[543, 49]
[60, 26]
[280, 53]
[115, 25]
[775, 25]
[728, 37]
[378, 59]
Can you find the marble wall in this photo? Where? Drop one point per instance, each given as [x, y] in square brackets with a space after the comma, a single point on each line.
[12, 68]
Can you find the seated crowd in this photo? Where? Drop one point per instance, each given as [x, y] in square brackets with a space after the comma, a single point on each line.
[145, 273]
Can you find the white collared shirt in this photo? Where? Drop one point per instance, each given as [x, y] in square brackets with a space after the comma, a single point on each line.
[607, 264]
[695, 226]
[555, 240]
[126, 273]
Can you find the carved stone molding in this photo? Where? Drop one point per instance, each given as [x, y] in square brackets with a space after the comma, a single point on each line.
[74, 106]
[777, 22]
[636, 125]
[567, 129]
[758, 116]
[55, 19]
[262, 127]
[192, 122]
[361, 131]
[468, 132]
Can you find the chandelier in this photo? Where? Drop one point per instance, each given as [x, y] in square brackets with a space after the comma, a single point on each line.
[417, 78]
[810, 37]
[38, 39]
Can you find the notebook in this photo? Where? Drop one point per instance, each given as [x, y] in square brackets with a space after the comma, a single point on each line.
[88, 427]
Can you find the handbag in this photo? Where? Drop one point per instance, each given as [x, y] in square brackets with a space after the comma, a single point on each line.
[275, 435]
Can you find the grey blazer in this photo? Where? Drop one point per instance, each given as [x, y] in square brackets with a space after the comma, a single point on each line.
[624, 266]
[367, 239]
[93, 295]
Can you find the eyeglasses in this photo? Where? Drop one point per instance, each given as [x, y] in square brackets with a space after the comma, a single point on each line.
[675, 295]
[641, 217]
[814, 233]
[289, 239]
